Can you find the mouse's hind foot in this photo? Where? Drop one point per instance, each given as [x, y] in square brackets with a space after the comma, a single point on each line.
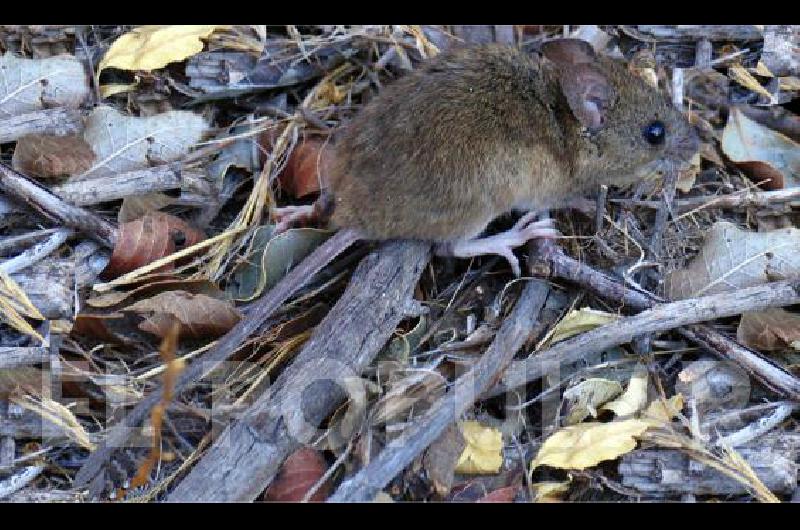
[504, 243]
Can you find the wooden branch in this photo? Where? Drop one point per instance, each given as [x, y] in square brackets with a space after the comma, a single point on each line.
[37, 252]
[83, 192]
[484, 374]
[554, 263]
[746, 199]
[225, 347]
[248, 454]
[16, 185]
[660, 318]
[57, 122]
[14, 357]
[692, 33]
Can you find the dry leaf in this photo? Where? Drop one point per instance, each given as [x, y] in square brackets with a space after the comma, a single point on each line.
[127, 143]
[769, 330]
[301, 471]
[441, 458]
[15, 306]
[270, 258]
[98, 327]
[306, 168]
[113, 298]
[578, 321]
[660, 412]
[27, 85]
[59, 415]
[550, 491]
[732, 258]
[587, 444]
[586, 396]
[42, 156]
[761, 152]
[635, 397]
[506, 494]
[483, 453]
[200, 315]
[148, 239]
[152, 47]
[739, 74]
[137, 206]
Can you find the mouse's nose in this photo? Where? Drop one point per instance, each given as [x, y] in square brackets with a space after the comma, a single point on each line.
[685, 145]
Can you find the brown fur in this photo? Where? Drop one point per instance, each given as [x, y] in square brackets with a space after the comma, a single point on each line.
[477, 132]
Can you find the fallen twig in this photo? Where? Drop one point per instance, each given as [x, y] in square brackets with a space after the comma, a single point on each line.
[400, 452]
[248, 454]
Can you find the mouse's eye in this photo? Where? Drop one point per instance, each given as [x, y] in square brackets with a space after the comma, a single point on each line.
[655, 132]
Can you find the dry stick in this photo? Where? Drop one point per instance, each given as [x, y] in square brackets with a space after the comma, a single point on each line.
[555, 264]
[224, 348]
[745, 199]
[20, 187]
[58, 122]
[483, 375]
[662, 318]
[37, 252]
[248, 454]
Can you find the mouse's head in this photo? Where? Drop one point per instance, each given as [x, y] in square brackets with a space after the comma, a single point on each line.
[629, 130]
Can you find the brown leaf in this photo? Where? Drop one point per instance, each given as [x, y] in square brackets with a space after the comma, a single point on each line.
[148, 239]
[298, 475]
[43, 156]
[769, 330]
[441, 458]
[306, 169]
[113, 298]
[98, 327]
[199, 314]
[501, 495]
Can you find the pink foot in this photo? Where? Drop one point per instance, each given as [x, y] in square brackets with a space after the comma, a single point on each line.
[288, 217]
[503, 243]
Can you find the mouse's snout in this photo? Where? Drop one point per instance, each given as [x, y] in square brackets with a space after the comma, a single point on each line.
[684, 146]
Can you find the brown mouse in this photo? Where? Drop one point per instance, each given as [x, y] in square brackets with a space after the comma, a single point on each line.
[476, 132]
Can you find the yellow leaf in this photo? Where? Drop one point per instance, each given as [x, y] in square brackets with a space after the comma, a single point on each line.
[789, 83]
[587, 396]
[483, 452]
[110, 90]
[550, 491]
[658, 412]
[762, 70]
[578, 321]
[739, 74]
[151, 47]
[587, 444]
[635, 397]
[15, 306]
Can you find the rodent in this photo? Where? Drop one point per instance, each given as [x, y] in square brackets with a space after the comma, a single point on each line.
[479, 131]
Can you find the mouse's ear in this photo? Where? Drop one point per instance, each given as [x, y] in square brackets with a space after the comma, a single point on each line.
[588, 93]
[586, 88]
[568, 51]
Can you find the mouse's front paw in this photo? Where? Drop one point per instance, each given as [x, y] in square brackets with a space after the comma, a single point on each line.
[504, 243]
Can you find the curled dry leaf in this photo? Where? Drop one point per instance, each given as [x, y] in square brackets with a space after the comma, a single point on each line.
[587, 444]
[307, 168]
[199, 315]
[301, 471]
[769, 330]
[44, 156]
[584, 398]
[28, 85]
[635, 397]
[127, 143]
[661, 412]
[270, 258]
[732, 258]
[761, 152]
[147, 239]
[483, 453]
[199, 286]
[578, 321]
